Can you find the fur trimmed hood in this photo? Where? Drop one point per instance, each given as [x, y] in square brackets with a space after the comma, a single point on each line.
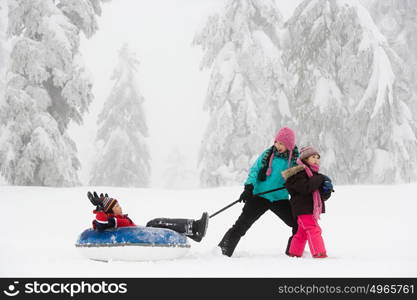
[292, 171]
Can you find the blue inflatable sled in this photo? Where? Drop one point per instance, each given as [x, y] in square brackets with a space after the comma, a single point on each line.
[137, 243]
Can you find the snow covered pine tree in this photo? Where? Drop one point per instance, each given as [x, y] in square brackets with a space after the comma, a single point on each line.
[47, 88]
[3, 48]
[396, 19]
[350, 94]
[247, 82]
[123, 158]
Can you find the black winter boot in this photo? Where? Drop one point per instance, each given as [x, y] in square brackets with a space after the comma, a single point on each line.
[287, 250]
[229, 242]
[199, 228]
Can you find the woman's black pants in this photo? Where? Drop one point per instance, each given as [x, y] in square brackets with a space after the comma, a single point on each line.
[252, 211]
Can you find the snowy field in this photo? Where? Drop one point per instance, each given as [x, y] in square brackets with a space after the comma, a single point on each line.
[368, 231]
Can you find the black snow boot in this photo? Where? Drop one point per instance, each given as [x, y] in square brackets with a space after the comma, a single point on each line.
[229, 242]
[287, 250]
[199, 228]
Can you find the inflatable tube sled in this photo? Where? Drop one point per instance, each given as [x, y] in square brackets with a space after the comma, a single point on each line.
[138, 243]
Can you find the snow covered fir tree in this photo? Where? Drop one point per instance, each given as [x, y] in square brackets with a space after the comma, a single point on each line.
[47, 88]
[3, 48]
[246, 97]
[123, 157]
[177, 174]
[351, 97]
[348, 89]
[4, 56]
[396, 19]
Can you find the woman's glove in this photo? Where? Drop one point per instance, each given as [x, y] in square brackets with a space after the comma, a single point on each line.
[247, 193]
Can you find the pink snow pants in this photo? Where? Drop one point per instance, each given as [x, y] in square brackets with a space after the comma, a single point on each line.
[308, 230]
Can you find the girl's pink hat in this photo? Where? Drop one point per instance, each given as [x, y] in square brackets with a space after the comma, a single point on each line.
[286, 136]
[308, 151]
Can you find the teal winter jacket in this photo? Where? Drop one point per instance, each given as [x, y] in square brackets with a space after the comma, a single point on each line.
[275, 180]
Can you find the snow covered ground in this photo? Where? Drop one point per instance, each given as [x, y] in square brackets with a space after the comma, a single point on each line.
[368, 231]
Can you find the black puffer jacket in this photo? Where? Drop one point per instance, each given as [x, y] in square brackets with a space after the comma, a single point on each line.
[301, 188]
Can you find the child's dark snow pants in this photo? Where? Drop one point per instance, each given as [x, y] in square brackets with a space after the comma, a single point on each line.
[178, 225]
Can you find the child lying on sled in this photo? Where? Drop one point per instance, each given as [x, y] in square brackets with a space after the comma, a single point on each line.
[109, 214]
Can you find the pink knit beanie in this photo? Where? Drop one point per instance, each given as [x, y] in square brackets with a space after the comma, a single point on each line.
[286, 136]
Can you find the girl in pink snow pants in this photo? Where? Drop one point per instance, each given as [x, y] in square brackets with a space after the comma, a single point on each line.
[308, 189]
